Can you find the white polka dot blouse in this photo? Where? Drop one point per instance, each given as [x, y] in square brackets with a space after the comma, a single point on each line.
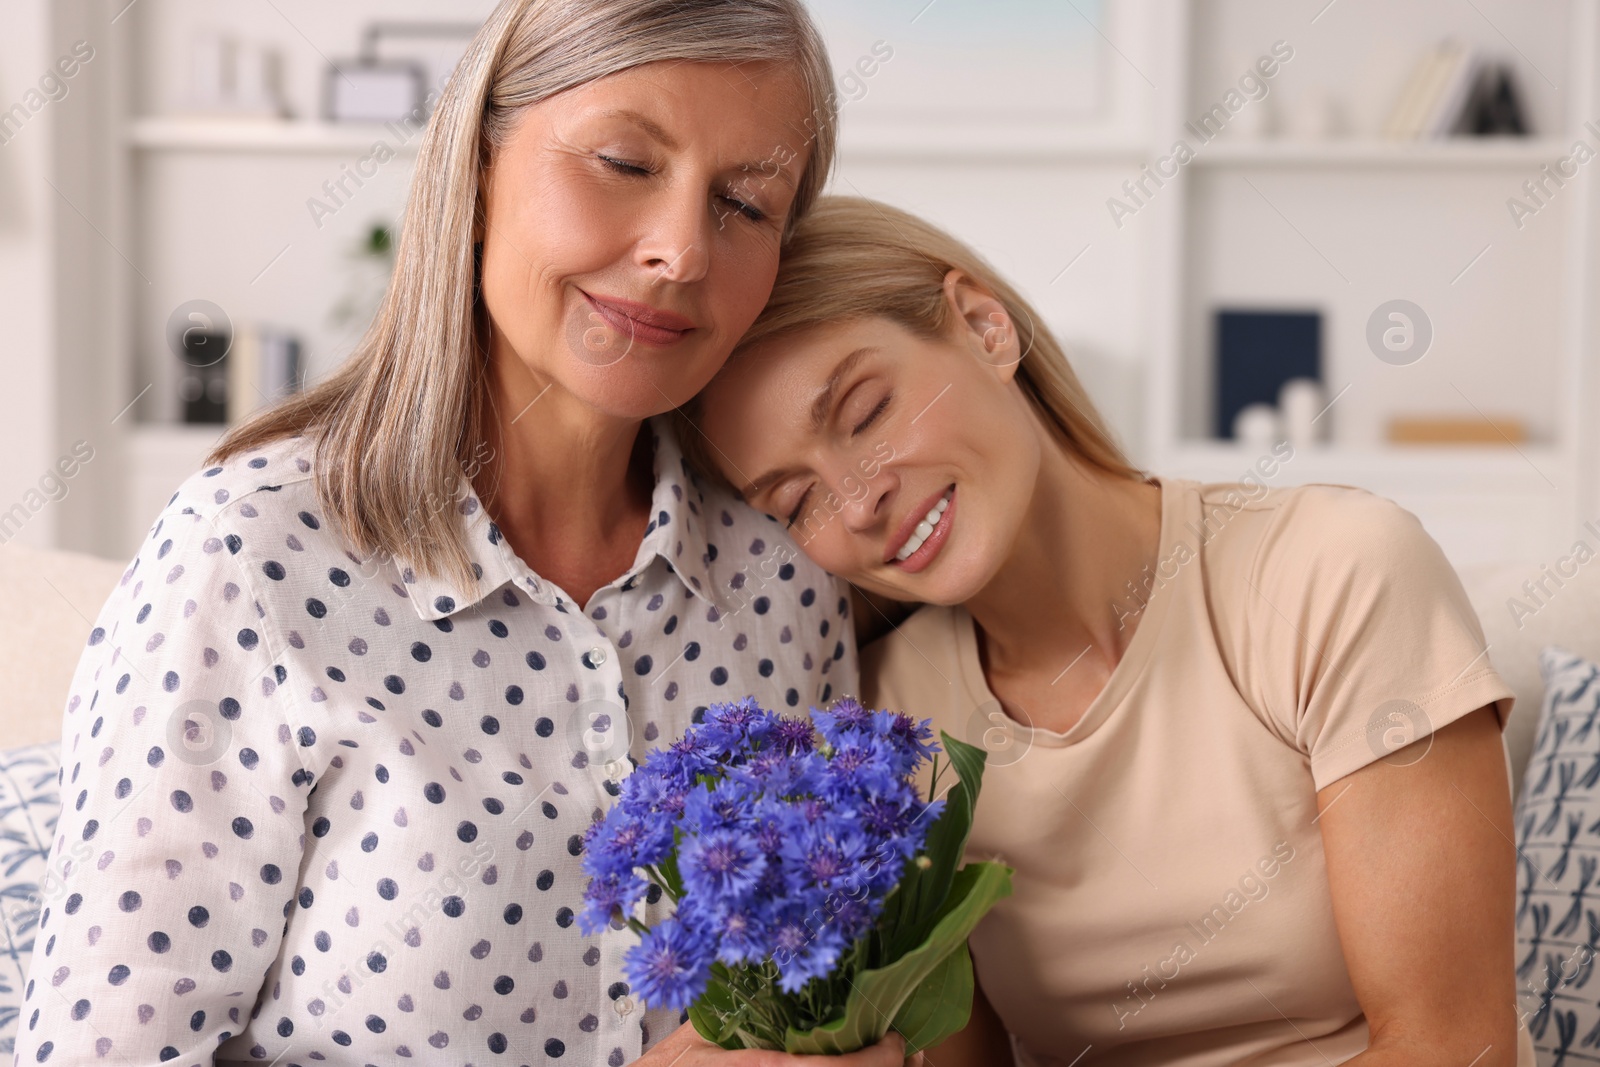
[319, 810]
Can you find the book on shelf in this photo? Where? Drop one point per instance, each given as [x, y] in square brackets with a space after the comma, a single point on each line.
[1433, 93]
[263, 367]
[1454, 90]
[1457, 430]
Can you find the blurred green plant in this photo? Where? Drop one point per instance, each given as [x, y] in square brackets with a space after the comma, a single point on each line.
[371, 259]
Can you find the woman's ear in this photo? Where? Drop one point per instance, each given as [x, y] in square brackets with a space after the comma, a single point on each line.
[985, 324]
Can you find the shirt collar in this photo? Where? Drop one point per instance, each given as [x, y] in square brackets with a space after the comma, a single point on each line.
[676, 533]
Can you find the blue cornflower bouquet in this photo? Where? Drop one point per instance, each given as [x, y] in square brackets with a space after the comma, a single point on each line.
[818, 899]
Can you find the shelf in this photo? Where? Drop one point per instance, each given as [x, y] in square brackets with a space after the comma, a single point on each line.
[1485, 152]
[965, 142]
[1432, 468]
[906, 141]
[267, 135]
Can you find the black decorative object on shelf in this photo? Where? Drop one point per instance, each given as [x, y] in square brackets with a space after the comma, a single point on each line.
[1495, 107]
[203, 386]
[200, 334]
[1256, 352]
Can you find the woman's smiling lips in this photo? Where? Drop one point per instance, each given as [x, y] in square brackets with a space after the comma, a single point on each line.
[943, 505]
[640, 321]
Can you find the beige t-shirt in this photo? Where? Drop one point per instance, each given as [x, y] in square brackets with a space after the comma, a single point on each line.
[1171, 901]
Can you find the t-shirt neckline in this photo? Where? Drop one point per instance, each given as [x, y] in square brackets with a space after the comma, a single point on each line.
[1174, 501]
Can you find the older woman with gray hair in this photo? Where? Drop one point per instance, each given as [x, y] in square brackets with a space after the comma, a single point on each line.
[335, 739]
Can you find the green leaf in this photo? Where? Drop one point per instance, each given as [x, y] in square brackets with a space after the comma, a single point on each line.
[914, 907]
[669, 867]
[948, 838]
[941, 1005]
[715, 1016]
[879, 996]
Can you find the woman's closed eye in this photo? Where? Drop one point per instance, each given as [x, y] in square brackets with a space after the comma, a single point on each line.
[798, 507]
[872, 416]
[622, 166]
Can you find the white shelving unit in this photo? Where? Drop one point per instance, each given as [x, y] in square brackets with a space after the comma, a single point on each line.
[217, 208]
[1488, 152]
[1313, 205]
[265, 136]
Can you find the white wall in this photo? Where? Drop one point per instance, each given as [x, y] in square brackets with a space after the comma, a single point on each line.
[197, 224]
[63, 455]
[28, 438]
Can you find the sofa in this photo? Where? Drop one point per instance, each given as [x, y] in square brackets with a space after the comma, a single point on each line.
[49, 600]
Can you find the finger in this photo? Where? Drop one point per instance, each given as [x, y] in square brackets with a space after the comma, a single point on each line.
[891, 1051]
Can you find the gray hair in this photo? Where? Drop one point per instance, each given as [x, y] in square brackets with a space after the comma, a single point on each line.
[400, 420]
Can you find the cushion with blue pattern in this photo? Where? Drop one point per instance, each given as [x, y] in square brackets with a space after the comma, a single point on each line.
[1558, 865]
[30, 801]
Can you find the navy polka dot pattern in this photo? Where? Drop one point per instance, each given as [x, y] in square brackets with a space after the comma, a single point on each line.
[323, 810]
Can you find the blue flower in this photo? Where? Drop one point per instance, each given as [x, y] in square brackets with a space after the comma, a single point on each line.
[865, 764]
[713, 806]
[622, 841]
[740, 938]
[604, 897]
[854, 915]
[684, 759]
[735, 728]
[779, 774]
[721, 864]
[794, 736]
[845, 715]
[670, 966]
[650, 792]
[826, 854]
[805, 946]
[912, 738]
[769, 820]
[884, 816]
[786, 846]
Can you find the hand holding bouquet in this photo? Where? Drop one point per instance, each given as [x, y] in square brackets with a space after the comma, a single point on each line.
[818, 898]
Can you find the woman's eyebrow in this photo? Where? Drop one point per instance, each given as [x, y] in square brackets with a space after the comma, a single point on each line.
[645, 123]
[820, 407]
[667, 141]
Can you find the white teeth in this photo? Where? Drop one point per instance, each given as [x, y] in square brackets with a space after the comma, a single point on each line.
[923, 529]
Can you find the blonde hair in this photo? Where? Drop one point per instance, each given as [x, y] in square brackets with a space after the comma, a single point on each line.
[400, 420]
[855, 258]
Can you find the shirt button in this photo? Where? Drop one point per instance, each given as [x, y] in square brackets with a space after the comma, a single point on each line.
[597, 655]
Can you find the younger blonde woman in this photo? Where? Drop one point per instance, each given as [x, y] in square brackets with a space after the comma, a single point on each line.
[1245, 749]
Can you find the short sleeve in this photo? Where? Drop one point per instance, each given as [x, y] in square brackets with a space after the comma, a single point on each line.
[915, 668]
[1360, 636]
[181, 835]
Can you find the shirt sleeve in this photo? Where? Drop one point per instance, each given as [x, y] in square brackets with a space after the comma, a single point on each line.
[178, 849]
[1363, 638]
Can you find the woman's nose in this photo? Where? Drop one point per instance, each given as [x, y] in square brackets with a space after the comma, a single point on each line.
[677, 243]
[866, 500]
